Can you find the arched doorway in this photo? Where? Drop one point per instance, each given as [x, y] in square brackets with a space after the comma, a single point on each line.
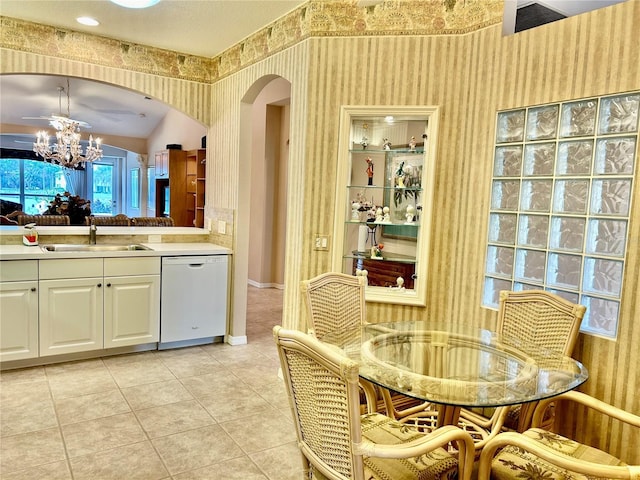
[262, 191]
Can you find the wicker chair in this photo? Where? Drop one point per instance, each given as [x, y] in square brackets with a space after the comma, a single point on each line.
[152, 222]
[335, 302]
[536, 317]
[336, 442]
[44, 219]
[553, 457]
[119, 220]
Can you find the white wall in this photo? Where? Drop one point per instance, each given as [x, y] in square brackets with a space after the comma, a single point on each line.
[176, 128]
[268, 186]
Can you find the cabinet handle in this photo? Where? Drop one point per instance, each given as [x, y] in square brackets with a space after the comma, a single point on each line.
[108, 284]
[33, 289]
[99, 285]
[194, 328]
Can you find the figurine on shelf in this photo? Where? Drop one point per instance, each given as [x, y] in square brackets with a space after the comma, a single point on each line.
[400, 175]
[364, 142]
[411, 212]
[355, 214]
[365, 274]
[400, 283]
[379, 217]
[376, 251]
[412, 144]
[386, 216]
[386, 144]
[369, 170]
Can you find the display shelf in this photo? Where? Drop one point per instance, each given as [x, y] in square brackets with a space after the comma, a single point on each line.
[385, 174]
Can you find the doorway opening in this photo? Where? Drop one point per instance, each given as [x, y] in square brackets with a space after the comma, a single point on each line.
[264, 210]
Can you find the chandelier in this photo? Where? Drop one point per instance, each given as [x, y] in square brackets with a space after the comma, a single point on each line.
[67, 150]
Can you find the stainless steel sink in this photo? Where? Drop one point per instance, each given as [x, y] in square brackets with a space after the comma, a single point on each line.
[93, 248]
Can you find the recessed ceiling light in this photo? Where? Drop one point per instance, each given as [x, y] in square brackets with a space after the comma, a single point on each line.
[91, 22]
[135, 3]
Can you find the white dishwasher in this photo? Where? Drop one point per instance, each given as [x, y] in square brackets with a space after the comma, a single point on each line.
[193, 301]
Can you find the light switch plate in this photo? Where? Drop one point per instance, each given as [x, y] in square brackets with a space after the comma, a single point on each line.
[222, 227]
[321, 242]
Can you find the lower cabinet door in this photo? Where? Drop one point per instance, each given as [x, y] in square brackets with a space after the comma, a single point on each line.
[71, 313]
[131, 310]
[18, 320]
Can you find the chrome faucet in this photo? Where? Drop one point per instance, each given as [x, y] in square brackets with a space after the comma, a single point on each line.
[92, 232]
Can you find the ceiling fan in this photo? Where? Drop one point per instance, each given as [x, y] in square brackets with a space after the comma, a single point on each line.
[56, 120]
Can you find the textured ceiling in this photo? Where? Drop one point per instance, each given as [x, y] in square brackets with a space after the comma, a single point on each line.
[196, 27]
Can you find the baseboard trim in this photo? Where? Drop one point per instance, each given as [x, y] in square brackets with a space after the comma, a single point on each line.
[253, 283]
[240, 340]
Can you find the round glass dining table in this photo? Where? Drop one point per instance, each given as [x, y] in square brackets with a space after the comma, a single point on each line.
[456, 365]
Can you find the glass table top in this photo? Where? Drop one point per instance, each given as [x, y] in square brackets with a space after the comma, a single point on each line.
[457, 364]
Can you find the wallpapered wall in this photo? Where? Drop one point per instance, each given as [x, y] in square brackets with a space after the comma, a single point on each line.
[470, 76]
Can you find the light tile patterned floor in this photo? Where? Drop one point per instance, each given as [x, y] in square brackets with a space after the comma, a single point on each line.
[213, 412]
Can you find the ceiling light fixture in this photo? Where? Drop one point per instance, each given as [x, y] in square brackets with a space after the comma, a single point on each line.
[135, 3]
[88, 21]
[67, 152]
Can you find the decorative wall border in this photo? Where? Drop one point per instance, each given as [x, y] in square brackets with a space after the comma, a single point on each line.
[316, 18]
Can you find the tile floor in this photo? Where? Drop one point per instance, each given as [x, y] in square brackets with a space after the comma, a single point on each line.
[210, 412]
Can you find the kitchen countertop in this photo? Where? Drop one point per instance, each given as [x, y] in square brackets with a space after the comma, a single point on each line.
[22, 252]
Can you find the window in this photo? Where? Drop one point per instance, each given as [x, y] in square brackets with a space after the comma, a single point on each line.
[34, 183]
[560, 202]
[134, 182]
[31, 183]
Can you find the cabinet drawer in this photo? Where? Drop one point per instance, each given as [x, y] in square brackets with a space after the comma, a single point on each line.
[18, 270]
[74, 268]
[123, 266]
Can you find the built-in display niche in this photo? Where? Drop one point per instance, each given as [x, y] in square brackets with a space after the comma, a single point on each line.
[383, 199]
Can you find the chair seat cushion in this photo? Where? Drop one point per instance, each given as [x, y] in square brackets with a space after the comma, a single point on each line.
[378, 428]
[513, 462]
[381, 429]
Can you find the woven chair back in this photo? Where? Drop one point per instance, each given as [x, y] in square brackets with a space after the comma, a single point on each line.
[119, 220]
[44, 219]
[152, 222]
[540, 317]
[335, 302]
[323, 388]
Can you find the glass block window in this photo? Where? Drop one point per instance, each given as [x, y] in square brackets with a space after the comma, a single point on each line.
[560, 201]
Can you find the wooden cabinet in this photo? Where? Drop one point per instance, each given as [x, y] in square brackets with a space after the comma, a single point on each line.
[71, 306]
[18, 309]
[385, 273]
[131, 301]
[195, 186]
[171, 171]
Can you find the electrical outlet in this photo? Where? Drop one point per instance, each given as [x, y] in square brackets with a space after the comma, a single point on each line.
[207, 223]
[155, 238]
[222, 227]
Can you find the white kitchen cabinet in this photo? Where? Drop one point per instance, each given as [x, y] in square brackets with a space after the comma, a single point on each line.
[71, 306]
[94, 303]
[131, 301]
[18, 309]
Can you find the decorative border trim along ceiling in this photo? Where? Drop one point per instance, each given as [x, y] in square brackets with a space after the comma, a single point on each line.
[316, 18]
